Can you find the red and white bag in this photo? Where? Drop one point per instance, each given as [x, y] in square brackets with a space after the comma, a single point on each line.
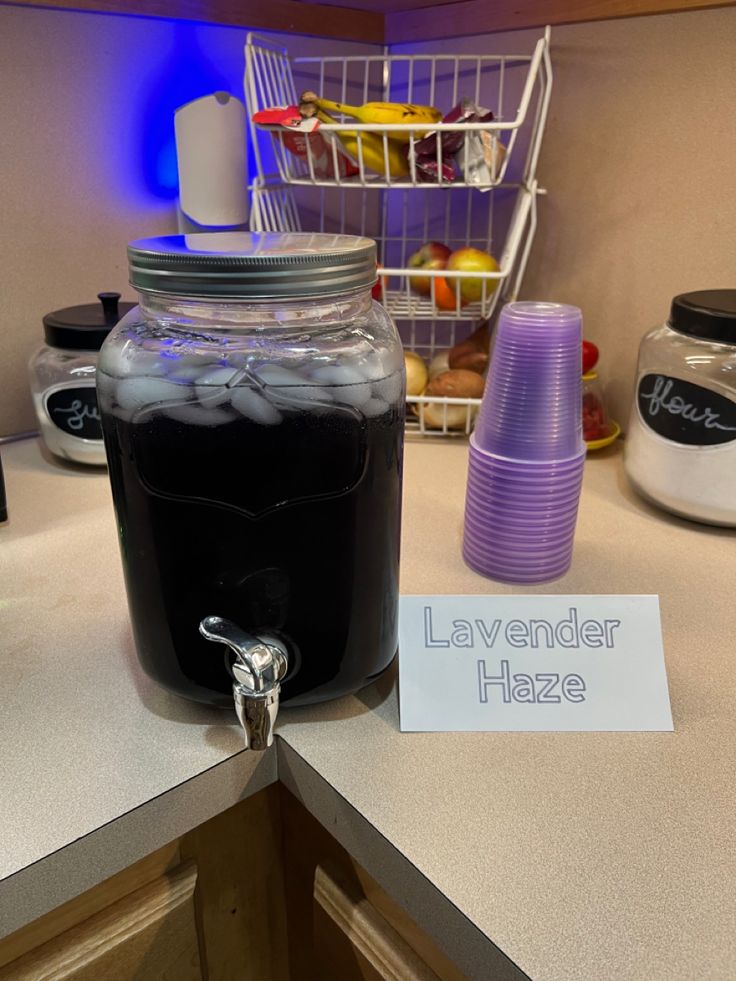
[325, 150]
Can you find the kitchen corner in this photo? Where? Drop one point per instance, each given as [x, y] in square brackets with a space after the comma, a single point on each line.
[558, 856]
[346, 415]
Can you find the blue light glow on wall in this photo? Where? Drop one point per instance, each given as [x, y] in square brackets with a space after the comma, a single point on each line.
[190, 69]
[146, 69]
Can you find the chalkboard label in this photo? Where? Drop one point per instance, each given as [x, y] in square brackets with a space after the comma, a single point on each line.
[74, 410]
[686, 413]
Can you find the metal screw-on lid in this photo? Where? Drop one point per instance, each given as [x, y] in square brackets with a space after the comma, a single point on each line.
[707, 314]
[252, 266]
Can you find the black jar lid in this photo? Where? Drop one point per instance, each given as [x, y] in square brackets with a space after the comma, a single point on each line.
[85, 327]
[707, 314]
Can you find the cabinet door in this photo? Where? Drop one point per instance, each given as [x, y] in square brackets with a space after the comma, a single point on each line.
[353, 941]
[149, 935]
[342, 925]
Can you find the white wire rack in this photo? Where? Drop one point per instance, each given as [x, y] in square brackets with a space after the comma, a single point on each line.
[433, 416]
[515, 88]
[291, 193]
[502, 224]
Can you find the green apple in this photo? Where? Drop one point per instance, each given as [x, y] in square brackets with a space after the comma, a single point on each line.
[473, 260]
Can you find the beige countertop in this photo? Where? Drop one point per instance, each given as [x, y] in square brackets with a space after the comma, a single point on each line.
[564, 856]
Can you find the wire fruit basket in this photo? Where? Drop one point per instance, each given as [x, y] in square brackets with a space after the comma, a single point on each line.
[493, 211]
[513, 89]
[401, 224]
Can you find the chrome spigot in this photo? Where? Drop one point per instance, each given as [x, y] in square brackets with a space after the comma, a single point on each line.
[258, 670]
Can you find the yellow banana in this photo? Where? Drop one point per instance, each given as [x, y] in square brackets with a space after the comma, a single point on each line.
[372, 144]
[375, 113]
[373, 157]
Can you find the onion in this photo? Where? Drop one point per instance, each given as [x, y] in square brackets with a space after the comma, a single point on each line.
[416, 373]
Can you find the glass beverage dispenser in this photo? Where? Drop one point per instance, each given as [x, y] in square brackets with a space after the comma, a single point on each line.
[253, 413]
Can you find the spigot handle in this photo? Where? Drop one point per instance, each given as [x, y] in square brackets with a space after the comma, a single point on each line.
[258, 669]
[265, 664]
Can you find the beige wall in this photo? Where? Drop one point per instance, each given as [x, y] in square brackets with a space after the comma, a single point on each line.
[639, 160]
[76, 92]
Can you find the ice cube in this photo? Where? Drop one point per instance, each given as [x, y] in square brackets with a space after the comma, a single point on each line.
[274, 374]
[350, 385]
[371, 367]
[133, 394]
[130, 361]
[254, 406]
[184, 372]
[194, 414]
[389, 388]
[210, 385]
[291, 386]
[374, 407]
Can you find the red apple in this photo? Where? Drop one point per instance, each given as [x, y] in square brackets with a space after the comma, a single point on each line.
[380, 286]
[432, 255]
[590, 356]
[473, 260]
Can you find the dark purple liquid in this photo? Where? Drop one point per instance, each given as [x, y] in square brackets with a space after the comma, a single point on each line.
[289, 530]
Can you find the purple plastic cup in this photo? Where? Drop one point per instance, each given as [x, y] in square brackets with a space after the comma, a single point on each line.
[522, 513]
[527, 451]
[522, 468]
[523, 475]
[519, 563]
[525, 497]
[517, 560]
[513, 548]
[519, 528]
[521, 534]
[531, 407]
[527, 487]
[503, 570]
[543, 538]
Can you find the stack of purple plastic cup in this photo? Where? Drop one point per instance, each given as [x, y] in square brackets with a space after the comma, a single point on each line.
[527, 450]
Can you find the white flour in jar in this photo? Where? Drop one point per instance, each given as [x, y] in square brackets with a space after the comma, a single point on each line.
[692, 481]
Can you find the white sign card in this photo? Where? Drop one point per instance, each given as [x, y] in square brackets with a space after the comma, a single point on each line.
[532, 663]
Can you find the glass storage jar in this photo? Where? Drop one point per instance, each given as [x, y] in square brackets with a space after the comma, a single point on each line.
[680, 450]
[253, 411]
[63, 372]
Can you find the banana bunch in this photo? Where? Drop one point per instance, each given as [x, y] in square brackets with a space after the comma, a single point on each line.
[372, 146]
[373, 157]
[376, 113]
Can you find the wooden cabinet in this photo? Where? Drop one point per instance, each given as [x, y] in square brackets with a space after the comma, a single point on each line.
[208, 906]
[342, 925]
[353, 940]
[262, 892]
[382, 21]
[150, 933]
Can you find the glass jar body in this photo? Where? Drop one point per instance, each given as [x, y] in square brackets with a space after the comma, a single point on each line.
[64, 397]
[680, 449]
[255, 458]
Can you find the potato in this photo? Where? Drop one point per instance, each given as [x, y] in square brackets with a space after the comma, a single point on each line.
[417, 375]
[471, 360]
[472, 354]
[457, 384]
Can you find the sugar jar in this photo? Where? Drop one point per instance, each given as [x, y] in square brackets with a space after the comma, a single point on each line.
[63, 378]
[680, 450]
